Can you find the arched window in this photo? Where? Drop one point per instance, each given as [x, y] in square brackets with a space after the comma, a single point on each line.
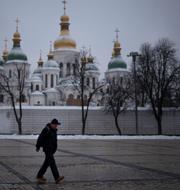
[61, 70]
[121, 80]
[74, 69]
[94, 83]
[46, 81]
[31, 87]
[37, 87]
[68, 69]
[52, 81]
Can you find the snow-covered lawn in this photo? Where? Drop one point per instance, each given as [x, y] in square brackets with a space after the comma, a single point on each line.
[93, 137]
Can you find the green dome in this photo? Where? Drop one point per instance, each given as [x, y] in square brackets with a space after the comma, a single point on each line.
[117, 62]
[91, 66]
[51, 63]
[17, 54]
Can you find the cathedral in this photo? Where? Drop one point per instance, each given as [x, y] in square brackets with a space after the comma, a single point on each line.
[51, 83]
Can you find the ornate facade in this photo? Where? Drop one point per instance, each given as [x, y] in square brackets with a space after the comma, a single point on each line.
[51, 83]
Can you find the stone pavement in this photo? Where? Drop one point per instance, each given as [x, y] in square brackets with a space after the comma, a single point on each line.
[94, 165]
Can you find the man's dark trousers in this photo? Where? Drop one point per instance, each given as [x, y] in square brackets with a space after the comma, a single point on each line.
[49, 161]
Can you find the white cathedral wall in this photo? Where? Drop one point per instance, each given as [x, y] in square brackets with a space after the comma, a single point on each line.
[36, 117]
[37, 100]
[65, 57]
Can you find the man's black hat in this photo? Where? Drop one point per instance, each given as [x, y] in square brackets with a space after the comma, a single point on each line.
[56, 122]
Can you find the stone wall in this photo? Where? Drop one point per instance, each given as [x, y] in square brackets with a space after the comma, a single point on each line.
[35, 118]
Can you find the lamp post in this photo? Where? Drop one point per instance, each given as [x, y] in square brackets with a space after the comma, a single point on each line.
[134, 55]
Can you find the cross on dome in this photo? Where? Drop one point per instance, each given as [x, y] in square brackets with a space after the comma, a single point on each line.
[64, 2]
[117, 34]
[17, 24]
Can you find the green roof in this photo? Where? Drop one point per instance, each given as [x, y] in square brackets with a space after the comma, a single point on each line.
[117, 63]
[17, 54]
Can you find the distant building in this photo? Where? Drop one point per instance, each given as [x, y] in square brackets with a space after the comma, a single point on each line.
[51, 83]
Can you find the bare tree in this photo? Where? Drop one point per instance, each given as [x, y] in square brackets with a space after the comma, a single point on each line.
[14, 88]
[118, 98]
[157, 72]
[83, 89]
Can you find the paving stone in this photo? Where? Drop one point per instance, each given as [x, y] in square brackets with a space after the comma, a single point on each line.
[94, 165]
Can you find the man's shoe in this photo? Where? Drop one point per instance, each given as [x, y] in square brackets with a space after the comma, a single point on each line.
[41, 179]
[60, 178]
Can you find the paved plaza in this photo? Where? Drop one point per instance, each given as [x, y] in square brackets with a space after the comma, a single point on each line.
[94, 165]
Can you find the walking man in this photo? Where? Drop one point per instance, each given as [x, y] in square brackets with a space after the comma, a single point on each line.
[48, 141]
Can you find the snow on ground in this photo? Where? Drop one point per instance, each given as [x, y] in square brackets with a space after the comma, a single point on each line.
[95, 137]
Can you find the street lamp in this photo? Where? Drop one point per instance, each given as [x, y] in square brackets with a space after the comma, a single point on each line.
[134, 55]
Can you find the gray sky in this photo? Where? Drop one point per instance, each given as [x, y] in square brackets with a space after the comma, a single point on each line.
[93, 22]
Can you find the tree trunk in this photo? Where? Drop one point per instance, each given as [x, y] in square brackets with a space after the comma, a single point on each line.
[20, 126]
[159, 126]
[117, 125]
[83, 127]
[83, 116]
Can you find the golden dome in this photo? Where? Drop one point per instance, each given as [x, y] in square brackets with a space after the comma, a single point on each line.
[64, 40]
[16, 35]
[65, 18]
[117, 48]
[16, 38]
[64, 43]
[117, 44]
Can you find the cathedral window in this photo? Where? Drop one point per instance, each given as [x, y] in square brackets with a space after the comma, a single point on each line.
[74, 69]
[68, 69]
[61, 70]
[121, 80]
[94, 83]
[52, 81]
[31, 87]
[46, 81]
[37, 87]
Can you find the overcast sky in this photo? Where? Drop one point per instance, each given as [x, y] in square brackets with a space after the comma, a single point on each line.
[93, 23]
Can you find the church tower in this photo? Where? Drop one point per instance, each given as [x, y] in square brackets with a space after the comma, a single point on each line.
[117, 67]
[65, 52]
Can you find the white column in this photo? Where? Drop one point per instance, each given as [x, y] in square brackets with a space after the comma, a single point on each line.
[49, 81]
[64, 69]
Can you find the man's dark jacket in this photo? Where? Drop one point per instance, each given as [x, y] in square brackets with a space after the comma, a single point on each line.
[47, 140]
